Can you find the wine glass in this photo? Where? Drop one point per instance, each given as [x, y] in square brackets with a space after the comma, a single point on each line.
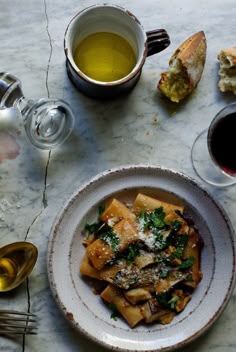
[213, 152]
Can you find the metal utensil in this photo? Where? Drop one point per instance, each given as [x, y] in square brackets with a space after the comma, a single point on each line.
[17, 323]
[17, 260]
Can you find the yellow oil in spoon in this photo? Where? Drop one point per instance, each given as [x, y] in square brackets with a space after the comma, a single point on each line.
[105, 57]
[16, 263]
[8, 273]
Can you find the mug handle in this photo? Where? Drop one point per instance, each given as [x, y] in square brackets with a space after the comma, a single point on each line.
[157, 40]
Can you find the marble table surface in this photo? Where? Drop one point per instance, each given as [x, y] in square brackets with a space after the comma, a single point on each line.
[142, 127]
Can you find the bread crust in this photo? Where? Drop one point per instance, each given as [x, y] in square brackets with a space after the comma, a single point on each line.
[189, 61]
[192, 54]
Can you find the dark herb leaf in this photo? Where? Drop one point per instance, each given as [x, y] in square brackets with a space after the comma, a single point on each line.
[115, 313]
[109, 237]
[179, 242]
[101, 209]
[176, 225]
[164, 260]
[163, 299]
[189, 278]
[143, 220]
[160, 241]
[164, 272]
[152, 220]
[157, 218]
[187, 263]
[166, 300]
[173, 301]
[91, 228]
[132, 251]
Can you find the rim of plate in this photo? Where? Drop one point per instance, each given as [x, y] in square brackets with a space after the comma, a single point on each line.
[106, 176]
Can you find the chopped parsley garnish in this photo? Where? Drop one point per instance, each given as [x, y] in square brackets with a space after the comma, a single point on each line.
[189, 278]
[152, 220]
[163, 259]
[155, 222]
[179, 242]
[143, 220]
[164, 272]
[109, 237]
[160, 241]
[163, 299]
[132, 251]
[91, 228]
[166, 300]
[115, 313]
[176, 225]
[187, 263]
[173, 301]
[101, 209]
[157, 218]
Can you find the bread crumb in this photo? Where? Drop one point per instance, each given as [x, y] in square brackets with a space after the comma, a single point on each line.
[227, 72]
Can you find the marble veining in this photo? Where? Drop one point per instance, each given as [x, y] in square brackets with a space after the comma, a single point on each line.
[142, 127]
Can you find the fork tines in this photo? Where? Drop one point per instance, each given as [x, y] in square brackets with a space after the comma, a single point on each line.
[20, 323]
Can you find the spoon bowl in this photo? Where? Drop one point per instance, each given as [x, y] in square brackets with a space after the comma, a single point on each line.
[16, 263]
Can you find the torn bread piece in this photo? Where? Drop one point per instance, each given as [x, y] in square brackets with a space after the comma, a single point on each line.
[227, 72]
[185, 68]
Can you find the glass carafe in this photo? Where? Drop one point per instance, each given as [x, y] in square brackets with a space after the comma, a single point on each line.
[47, 122]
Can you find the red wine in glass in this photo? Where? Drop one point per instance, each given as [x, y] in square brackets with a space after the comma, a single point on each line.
[221, 141]
[214, 150]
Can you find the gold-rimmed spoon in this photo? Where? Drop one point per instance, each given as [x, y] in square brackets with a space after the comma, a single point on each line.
[16, 263]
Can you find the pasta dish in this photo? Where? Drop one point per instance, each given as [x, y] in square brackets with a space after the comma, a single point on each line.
[146, 256]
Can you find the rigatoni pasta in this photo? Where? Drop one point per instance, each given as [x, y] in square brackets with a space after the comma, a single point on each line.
[148, 255]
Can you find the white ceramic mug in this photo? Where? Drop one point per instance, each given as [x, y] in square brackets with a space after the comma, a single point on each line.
[112, 19]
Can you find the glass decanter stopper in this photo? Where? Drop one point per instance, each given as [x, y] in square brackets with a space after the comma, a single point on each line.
[47, 122]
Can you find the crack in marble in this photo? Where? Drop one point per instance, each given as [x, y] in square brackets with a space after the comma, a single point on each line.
[32, 223]
[44, 197]
[50, 43]
[29, 304]
[45, 200]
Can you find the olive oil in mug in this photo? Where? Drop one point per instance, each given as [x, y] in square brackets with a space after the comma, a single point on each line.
[105, 57]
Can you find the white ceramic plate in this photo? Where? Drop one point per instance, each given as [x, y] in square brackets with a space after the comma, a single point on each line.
[86, 311]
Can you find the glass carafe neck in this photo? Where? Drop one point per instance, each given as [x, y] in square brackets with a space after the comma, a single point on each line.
[10, 89]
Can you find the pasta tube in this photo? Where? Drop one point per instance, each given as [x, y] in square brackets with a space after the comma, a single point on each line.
[114, 295]
[99, 252]
[193, 249]
[143, 202]
[116, 209]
